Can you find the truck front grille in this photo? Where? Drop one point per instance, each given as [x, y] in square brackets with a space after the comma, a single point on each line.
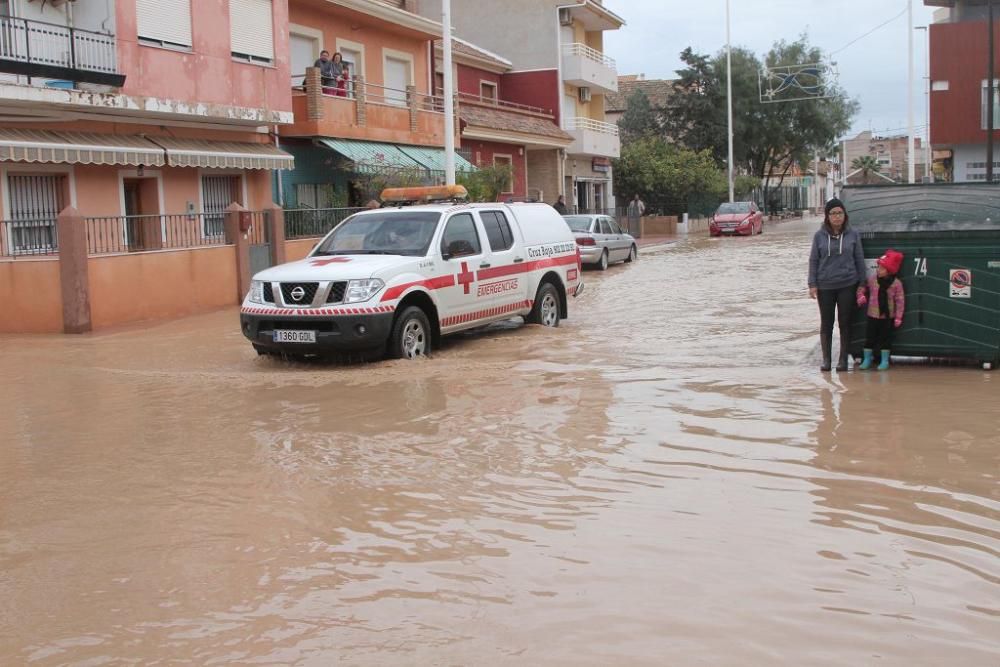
[306, 292]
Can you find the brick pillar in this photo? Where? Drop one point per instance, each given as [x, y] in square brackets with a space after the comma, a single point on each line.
[314, 93]
[276, 219]
[411, 101]
[73, 276]
[360, 104]
[239, 239]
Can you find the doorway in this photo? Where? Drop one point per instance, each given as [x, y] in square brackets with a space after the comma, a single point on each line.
[582, 198]
[143, 230]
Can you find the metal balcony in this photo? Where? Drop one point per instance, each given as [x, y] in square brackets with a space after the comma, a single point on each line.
[51, 51]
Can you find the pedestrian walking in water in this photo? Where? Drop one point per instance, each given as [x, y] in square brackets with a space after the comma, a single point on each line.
[886, 301]
[836, 268]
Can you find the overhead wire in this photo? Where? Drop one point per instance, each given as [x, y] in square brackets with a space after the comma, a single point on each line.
[878, 27]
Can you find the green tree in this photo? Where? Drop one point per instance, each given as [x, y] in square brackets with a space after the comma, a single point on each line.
[868, 166]
[640, 118]
[768, 138]
[487, 183]
[667, 176]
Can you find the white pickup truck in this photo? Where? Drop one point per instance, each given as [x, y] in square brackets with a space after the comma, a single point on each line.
[393, 280]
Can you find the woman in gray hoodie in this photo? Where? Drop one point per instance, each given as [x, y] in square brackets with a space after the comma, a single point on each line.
[836, 267]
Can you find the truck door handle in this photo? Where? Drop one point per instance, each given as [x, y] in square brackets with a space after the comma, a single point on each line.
[518, 259]
[484, 265]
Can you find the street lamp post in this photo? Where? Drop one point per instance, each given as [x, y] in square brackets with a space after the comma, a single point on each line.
[928, 171]
[729, 102]
[449, 97]
[910, 167]
[989, 97]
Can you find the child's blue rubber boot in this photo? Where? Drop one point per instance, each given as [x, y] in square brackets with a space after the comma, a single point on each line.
[884, 366]
[866, 363]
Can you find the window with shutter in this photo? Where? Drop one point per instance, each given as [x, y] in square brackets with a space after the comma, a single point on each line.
[251, 30]
[164, 22]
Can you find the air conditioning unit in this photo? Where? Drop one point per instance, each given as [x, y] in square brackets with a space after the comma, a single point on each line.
[564, 16]
[584, 94]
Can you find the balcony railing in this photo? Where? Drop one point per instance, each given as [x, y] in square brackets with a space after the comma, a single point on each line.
[51, 51]
[584, 51]
[306, 223]
[502, 104]
[590, 125]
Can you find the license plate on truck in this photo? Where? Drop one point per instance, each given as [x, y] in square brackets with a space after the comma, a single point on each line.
[294, 336]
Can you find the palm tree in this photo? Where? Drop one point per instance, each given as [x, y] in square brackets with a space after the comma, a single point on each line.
[868, 166]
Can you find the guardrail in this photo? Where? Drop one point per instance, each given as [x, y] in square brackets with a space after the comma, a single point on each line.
[589, 124]
[139, 233]
[28, 238]
[306, 223]
[502, 104]
[584, 51]
[48, 45]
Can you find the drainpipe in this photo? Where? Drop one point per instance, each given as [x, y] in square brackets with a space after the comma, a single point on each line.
[277, 172]
[562, 86]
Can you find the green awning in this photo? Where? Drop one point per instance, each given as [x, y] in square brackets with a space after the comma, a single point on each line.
[433, 158]
[371, 156]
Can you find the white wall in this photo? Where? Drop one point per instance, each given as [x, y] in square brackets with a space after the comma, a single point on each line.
[491, 23]
[974, 153]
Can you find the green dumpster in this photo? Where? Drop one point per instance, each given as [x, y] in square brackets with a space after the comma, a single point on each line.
[949, 234]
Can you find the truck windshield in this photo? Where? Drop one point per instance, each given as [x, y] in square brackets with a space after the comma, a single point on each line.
[390, 232]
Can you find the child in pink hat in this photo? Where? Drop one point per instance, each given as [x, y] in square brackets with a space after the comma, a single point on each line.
[883, 294]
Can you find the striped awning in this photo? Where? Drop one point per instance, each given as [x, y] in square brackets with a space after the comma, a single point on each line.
[223, 154]
[49, 146]
[372, 156]
[433, 158]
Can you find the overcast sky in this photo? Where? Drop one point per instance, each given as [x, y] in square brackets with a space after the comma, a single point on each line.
[873, 70]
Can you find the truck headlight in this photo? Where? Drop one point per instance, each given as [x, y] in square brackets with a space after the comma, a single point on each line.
[362, 290]
[256, 291]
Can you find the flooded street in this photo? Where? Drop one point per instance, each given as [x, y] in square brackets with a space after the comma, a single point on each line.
[665, 479]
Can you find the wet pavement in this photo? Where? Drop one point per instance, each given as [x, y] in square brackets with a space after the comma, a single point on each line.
[665, 479]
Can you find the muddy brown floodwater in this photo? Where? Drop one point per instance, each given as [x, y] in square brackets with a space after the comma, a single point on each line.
[666, 479]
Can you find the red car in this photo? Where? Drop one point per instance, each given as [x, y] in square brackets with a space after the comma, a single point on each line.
[740, 217]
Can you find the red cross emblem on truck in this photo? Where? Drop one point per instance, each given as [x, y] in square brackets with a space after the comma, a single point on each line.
[465, 278]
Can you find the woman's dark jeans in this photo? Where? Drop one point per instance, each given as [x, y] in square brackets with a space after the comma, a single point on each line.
[842, 302]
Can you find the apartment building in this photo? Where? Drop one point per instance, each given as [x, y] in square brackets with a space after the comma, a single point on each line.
[558, 62]
[891, 152]
[382, 122]
[493, 129]
[959, 75]
[137, 108]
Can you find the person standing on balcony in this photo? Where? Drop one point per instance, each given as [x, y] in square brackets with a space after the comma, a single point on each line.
[329, 71]
[345, 76]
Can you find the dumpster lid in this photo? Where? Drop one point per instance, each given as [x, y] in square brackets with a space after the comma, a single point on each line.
[926, 207]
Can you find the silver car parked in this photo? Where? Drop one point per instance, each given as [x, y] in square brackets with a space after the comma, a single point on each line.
[601, 240]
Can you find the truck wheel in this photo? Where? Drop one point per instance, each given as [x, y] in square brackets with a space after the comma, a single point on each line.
[411, 335]
[546, 308]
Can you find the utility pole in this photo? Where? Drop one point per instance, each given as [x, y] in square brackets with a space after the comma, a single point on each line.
[729, 101]
[449, 95]
[989, 97]
[911, 166]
